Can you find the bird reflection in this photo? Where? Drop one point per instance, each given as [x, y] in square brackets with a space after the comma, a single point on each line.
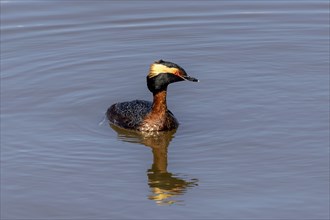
[165, 187]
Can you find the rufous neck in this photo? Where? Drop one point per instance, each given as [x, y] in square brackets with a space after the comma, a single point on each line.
[159, 103]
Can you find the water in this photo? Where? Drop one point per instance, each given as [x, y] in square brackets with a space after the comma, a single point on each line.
[253, 140]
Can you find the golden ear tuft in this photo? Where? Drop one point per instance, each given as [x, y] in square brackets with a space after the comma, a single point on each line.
[157, 68]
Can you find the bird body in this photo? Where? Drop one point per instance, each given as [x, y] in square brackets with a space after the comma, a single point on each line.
[148, 116]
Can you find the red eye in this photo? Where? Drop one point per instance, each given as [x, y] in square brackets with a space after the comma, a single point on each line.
[177, 73]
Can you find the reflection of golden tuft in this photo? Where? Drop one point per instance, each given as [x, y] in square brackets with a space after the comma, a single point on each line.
[162, 197]
[164, 186]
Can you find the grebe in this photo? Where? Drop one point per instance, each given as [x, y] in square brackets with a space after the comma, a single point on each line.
[147, 116]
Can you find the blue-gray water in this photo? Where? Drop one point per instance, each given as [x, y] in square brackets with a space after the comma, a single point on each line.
[253, 140]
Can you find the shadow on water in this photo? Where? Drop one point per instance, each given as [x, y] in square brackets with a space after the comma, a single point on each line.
[165, 186]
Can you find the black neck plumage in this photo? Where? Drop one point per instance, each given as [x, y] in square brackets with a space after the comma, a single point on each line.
[161, 81]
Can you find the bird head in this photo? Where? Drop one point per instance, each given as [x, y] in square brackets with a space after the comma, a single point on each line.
[162, 73]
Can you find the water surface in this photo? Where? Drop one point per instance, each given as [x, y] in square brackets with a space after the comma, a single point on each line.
[253, 140]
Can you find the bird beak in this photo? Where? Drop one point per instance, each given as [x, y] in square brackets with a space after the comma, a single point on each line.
[189, 78]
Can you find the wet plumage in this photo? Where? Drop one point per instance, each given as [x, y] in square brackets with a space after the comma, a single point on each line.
[129, 115]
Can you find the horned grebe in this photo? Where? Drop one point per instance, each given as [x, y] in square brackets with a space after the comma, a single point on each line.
[151, 116]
